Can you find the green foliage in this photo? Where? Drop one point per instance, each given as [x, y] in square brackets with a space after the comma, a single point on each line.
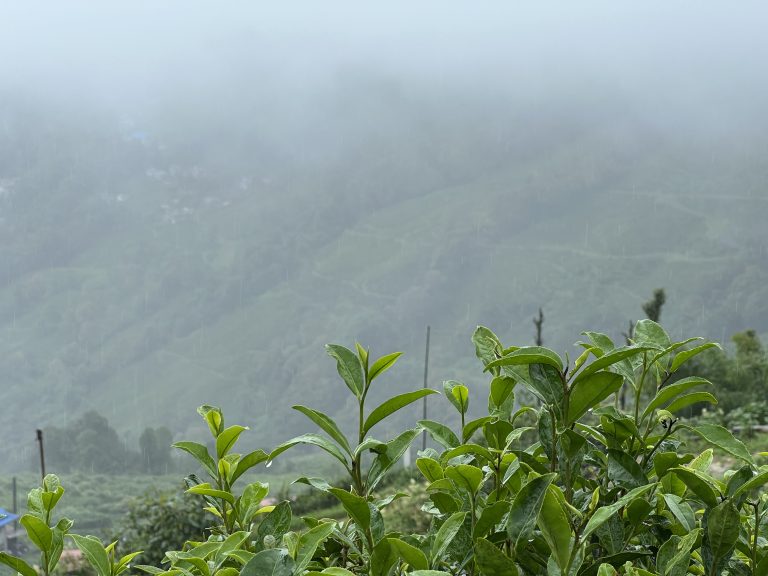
[159, 521]
[90, 444]
[48, 536]
[741, 377]
[573, 486]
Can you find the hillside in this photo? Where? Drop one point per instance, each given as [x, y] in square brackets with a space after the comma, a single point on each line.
[147, 269]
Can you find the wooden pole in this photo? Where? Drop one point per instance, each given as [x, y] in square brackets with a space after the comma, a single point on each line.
[426, 374]
[42, 452]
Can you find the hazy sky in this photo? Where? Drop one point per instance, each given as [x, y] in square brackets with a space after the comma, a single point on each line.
[703, 56]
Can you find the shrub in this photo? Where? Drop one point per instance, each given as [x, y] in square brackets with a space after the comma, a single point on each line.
[160, 521]
[574, 486]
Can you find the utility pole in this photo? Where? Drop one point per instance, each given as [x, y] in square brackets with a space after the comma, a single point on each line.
[426, 373]
[42, 452]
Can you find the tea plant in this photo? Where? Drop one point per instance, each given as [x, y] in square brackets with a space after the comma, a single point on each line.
[573, 486]
[48, 537]
[599, 490]
[362, 541]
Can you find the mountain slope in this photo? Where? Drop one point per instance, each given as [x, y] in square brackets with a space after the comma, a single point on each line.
[142, 278]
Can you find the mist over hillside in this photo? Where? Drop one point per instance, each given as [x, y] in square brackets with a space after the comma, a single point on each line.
[191, 207]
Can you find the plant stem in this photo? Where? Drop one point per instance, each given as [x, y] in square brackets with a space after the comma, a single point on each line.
[756, 506]
[639, 389]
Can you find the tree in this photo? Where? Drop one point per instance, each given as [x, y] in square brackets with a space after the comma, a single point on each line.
[538, 321]
[155, 446]
[89, 443]
[653, 307]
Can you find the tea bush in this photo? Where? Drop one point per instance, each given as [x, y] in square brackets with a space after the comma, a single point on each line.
[572, 486]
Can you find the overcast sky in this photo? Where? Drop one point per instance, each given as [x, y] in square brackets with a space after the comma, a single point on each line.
[679, 54]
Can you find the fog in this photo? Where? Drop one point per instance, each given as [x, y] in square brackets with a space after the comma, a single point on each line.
[698, 60]
[196, 196]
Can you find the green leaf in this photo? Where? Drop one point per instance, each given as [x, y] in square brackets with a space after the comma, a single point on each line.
[356, 506]
[606, 570]
[670, 392]
[362, 353]
[681, 510]
[226, 440]
[57, 543]
[600, 340]
[308, 543]
[624, 470]
[313, 440]
[200, 453]
[94, 552]
[250, 502]
[17, 564]
[467, 449]
[610, 358]
[737, 479]
[723, 439]
[603, 513]
[388, 457]
[327, 424]
[333, 571]
[430, 468]
[457, 394]
[383, 559]
[501, 400]
[589, 391]
[393, 405]
[554, 526]
[490, 517]
[688, 399]
[466, 477]
[487, 345]
[752, 484]
[762, 567]
[445, 534]
[318, 483]
[370, 444]
[546, 382]
[123, 563]
[272, 562]
[698, 483]
[529, 355]
[473, 426]
[50, 498]
[526, 508]
[247, 462]
[414, 557]
[440, 433]
[720, 536]
[382, 365]
[685, 355]
[213, 417]
[649, 332]
[276, 523]
[38, 531]
[492, 561]
[205, 489]
[349, 367]
[515, 435]
[229, 545]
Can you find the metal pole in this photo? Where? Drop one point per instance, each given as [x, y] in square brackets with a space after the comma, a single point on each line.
[11, 540]
[426, 373]
[15, 500]
[42, 452]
